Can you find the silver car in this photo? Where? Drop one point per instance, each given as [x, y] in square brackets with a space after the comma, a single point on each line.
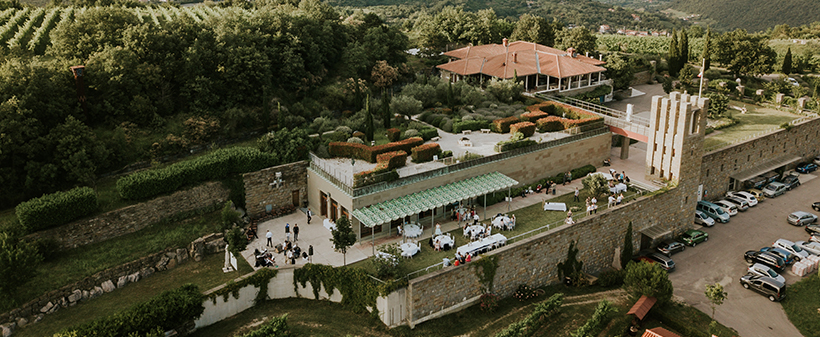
[750, 198]
[703, 219]
[811, 247]
[801, 218]
[742, 205]
[763, 270]
[727, 206]
[790, 247]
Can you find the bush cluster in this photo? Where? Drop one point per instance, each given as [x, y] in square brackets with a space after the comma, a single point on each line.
[167, 311]
[549, 124]
[384, 171]
[503, 125]
[424, 153]
[533, 116]
[472, 125]
[526, 128]
[611, 278]
[57, 208]
[429, 133]
[369, 153]
[393, 134]
[214, 166]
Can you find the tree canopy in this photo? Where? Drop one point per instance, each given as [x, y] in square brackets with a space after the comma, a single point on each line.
[744, 54]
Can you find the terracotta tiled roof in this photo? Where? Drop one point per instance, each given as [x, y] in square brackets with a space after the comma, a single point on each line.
[659, 332]
[642, 306]
[519, 58]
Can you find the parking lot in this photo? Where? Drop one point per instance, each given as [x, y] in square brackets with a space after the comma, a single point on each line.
[721, 260]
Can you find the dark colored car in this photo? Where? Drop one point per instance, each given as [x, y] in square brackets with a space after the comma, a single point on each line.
[816, 206]
[651, 257]
[787, 257]
[790, 181]
[670, 247]
[770, 260]
[813, 229]
[757, 182]
[806, 168]
[693, 237]
[769, 287]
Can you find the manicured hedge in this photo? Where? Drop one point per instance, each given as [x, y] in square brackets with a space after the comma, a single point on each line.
[384, 171]
[549, 124]
[473, 125]
[533, 116]
[214, 166]
[507, 146]
[393, 134]
[55, 209]
[369, 153]
[527, 128]
[169, 310]
[503, 125]
[425, 153]
[391, 160]
[428, 133]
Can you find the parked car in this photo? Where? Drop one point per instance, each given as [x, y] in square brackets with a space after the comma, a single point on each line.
[801, 218]
[807, 168]
[758, 194]
[787, 257]
[817, 160]
[791, 181]
[772, 190]
[742, 205]
[760, 269]
[727, 206]
[813, 229]
[757, 182]
[811, 247]
[770, 176]
[693, 237]
[743, 195]
[790, 247]
[651, 257]
[769, 287]
[793, 81]
[770, 260]
[713, 211]
[703, 219]
[815, 238]
[816, 206]
[670, 247]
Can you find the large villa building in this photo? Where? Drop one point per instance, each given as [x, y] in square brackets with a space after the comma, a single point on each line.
[540, 68]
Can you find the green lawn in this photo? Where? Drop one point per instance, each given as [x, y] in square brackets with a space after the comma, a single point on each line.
[527, 219]
[802, 305]
[75, 264]
[756, 120]
[206, 274]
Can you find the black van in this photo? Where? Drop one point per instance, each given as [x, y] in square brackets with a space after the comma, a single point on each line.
[769, 287]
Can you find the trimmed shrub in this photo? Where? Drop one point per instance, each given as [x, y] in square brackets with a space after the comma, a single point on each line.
[533, 116]
[214, 166]
[446, 154]
[582, 171]
[430, 133]
[391, 160]
[527, 128]
[503, 125]
[411, 133]
[393, 134]
[358, 134]
[472, 125]
[611, 278]
[355, 140]
[345, 130]
[425, 153]
[57, 208]
[384, 171]
[169, 310]
[369, 153]
[549, 124]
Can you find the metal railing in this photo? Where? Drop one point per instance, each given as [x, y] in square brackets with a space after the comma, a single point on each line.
[756, 135]
[598, 109]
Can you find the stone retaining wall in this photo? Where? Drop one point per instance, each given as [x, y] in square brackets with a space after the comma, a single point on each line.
[135, 217]
[259, 192]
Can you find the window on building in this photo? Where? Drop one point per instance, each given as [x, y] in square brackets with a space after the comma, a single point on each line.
[721, 167]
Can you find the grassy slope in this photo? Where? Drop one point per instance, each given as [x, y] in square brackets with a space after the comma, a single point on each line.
[801, 305]
[753, 15]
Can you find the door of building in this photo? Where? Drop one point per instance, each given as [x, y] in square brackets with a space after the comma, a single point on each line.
[295, 198]
[323, 204]
[333, 209]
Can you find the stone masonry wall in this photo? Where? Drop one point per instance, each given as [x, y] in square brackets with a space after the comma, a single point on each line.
[719, 165]
[259, 192]
[135, 217]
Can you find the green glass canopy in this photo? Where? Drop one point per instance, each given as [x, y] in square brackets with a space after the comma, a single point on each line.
[415, 203]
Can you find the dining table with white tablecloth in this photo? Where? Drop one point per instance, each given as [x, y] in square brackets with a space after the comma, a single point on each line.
[412, 230]
[485, 244]
[408, 249]
[618, 188]
[444, 240]
[330, 225]
[555, 206]
[503, 222]
[474, 230]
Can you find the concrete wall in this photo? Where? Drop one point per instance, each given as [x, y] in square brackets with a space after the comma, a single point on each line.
[719, 165]
[259, 193]
[135, 217]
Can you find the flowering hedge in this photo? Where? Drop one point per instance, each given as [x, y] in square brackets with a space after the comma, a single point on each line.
[425, 153]
[393, 134]
[369, 153]
[503, 125]
[527, 128]
[57, 208]
[533, 116]
[384, 171]
[549, 124]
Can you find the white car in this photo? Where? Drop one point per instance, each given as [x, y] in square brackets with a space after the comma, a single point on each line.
[793, 81]
[817, 160]
[763, 270]
[750, 198]
[790, 247]
[703, 219]
[811, 247]
[815, 238]
[727, 206]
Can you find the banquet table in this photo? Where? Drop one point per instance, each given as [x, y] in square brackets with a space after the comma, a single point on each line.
[503, 222]
[620, 187]
[329, 225]
[487, 243]
[444, 240]
[555, 206]
[474, 230]
[409, 249]
[412, 230]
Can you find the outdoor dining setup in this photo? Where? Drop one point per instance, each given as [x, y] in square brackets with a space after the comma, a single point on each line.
[481, 246]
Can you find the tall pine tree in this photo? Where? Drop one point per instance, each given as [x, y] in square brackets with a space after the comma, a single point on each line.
[707, 53]
[787, 62]
[674, 55]
[368, 127]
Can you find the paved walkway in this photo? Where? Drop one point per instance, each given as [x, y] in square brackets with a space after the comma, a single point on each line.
[318, 236]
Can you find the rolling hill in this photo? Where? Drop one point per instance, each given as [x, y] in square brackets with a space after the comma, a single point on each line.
[752, 15]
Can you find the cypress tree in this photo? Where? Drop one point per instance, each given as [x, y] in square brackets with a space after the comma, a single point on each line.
[707, 53]
[626, 254]
[674, 55]
[787, 62]
[684, 48]
[368, 128]
[386, 115]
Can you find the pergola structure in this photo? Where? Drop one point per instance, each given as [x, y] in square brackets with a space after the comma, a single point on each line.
[399, 208]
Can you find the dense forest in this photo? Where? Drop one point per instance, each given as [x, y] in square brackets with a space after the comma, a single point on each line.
[752, 15]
